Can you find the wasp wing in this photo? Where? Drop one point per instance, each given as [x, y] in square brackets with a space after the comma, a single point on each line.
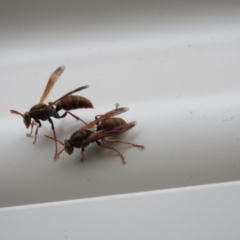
[53, 103]
[108, 133]
[52, 80]
[67, 94]
[102, 117]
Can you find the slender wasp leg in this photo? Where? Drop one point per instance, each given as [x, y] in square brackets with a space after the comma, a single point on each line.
[76, 117]
[119, 141]
[104, 146]
[82, 158]
[36, 132]
[55, 137]
[32, 125]
[57, 157]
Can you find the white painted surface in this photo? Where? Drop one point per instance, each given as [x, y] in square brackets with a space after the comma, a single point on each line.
[206, 212]
[175, 64]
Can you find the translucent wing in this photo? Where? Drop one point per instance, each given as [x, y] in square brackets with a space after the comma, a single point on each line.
[52, 80]
[108, 133]
[53, 103]
[69, 93]
[107, 115]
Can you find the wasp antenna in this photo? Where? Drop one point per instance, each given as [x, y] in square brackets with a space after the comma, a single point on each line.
[60, 152]
[54, 139]
[16, 112]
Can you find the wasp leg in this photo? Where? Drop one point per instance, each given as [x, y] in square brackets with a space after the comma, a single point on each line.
[55, 137]
[76, 117]
[36, 132]
[82, 158]
[32, 125]
[119, 141]
[57, 156]
[104, 146]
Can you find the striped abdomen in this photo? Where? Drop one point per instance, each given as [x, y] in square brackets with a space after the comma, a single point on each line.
[73, 102]
[110, 123]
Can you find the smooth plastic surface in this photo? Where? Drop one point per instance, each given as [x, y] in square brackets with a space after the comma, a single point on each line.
[208, 212]
[175, 64]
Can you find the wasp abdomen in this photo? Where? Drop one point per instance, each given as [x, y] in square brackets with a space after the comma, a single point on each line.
[110, 123]
[73, 102]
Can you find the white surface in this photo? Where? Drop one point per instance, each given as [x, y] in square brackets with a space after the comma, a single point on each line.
[201, 213]
[175, 65]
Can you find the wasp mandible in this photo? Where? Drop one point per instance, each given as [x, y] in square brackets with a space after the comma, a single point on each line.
[44, 112]
[103, 126]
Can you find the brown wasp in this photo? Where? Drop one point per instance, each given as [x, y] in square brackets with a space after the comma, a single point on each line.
[103, 126]
[44, 112]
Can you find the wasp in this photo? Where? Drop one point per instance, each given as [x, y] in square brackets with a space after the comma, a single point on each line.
[103, 126]
[42, 111]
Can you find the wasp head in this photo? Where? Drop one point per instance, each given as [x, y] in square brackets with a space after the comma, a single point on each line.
[68, 147]
[27, 119]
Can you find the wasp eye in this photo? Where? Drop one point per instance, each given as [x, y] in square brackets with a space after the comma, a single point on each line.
[27, 119]
[68, 147]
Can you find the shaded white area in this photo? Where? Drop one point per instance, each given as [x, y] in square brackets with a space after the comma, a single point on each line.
[207, 212]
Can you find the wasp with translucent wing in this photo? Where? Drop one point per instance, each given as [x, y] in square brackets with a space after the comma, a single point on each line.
[103, 126]
[44, 112]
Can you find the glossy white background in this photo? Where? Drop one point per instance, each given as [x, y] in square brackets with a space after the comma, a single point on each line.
[175, 64]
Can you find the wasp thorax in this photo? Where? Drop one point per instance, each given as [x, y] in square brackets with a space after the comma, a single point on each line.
[68, 147]
[27, 119]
